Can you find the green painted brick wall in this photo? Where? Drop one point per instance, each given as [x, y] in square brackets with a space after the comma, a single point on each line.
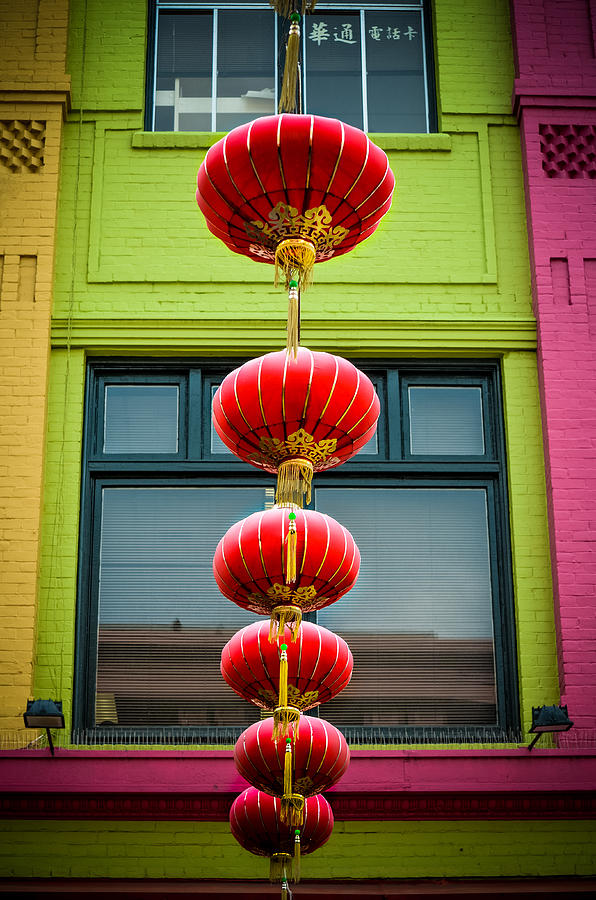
[355, 850]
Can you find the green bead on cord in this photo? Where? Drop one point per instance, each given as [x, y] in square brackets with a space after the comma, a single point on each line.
[295, 17]
[291, 516]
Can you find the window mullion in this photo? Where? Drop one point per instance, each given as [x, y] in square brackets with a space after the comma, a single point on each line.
[214, 72]
[364, 73]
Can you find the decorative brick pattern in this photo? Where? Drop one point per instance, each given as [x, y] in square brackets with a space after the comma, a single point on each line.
[22, 145]
[568, 150]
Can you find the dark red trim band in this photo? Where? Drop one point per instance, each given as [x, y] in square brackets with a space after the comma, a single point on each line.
[369, 806]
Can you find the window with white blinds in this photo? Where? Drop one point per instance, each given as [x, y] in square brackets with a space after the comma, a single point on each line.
[429, 621]
[213, 66]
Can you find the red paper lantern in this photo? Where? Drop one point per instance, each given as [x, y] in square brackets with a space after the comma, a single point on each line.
[255, 822]
[297, 416]
[319, 666]
[320, 756]
[294, 189]
[256, 825]
[251, 563]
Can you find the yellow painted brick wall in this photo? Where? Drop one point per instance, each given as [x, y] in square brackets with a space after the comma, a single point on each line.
[33, 98]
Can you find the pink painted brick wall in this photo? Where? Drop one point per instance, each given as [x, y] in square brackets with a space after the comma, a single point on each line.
[555, 98]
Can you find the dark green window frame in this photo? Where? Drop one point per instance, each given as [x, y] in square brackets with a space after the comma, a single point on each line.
[425, 109]
[393, 466]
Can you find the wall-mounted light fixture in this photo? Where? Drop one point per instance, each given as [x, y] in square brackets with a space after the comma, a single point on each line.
[44, 714]
[546, 719]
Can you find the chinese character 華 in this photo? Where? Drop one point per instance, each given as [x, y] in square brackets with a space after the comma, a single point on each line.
[319, 32]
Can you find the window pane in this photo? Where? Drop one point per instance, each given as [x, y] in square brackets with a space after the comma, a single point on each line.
[395, 67]
[141, 418]
[217, 445]
[184, 65]
[419, 619]
[162, 621]
[333, 66]
[245, 67]
[446, 420]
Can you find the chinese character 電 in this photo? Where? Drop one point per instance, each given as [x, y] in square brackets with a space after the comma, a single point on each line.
[375, 32]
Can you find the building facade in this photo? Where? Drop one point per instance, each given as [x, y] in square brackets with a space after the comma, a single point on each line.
[470, 309]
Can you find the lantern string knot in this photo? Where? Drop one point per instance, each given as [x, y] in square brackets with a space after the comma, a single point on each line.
[292, 809]
[294, 481]
[295, 255]
[281, 616]
[286, 7]
[283, 718]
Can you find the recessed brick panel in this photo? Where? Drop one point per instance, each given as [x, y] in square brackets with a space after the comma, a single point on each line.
[568, 150]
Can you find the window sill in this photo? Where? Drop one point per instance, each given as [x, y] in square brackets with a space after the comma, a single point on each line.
[194, 140]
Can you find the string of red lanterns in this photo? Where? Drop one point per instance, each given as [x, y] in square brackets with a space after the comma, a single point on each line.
[291, 190]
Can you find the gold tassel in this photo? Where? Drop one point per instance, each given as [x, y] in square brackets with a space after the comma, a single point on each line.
[280, 617]
[283, 717]
[286, 893]
[286, 7]
[293, 331]
[295, 254]
[278, 867]
[287, 100]
[296, 863]
[292, 810]
[288, 767]
[283, 675]
[294, 481]
[291, 543]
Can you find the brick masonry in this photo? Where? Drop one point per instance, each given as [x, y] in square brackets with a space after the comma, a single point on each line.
[33, 98]
[555, 97]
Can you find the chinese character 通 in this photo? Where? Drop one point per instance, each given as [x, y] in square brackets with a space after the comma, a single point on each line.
[346, 36]
[319, 32]
[409, 33]
[375, 32]
[393, 33]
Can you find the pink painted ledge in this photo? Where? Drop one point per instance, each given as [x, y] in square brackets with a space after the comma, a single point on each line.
[379, 784]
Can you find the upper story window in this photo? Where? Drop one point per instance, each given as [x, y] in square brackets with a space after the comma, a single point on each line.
[214, 66]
